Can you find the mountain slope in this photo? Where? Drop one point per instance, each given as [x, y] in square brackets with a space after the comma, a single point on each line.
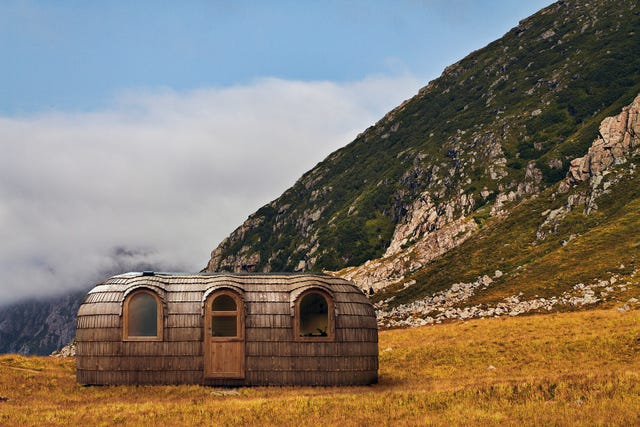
[452, 184]
[583, 228]
[39, 326]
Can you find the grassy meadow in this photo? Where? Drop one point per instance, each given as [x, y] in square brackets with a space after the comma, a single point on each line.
[579, 368]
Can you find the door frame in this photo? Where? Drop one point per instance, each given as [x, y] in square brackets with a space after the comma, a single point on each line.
[238, 341]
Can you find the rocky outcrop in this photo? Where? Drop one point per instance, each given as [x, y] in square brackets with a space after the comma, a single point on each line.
[618, 140]
[446, 305]
[423, 219]
[426, 232]
[243, 260]
[380, 273]
[530, 185]
[68, 350]
[429, 230]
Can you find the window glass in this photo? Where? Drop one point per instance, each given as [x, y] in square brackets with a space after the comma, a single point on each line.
[143, 315]
[314, 316]
[224, 303]
[224, 326]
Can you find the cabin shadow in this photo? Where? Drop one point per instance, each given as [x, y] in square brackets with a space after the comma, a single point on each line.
[224, 329]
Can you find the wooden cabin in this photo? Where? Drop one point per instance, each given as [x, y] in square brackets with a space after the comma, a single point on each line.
[226, 329]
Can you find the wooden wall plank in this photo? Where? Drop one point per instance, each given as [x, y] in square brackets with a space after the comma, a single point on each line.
[271, 308]
[103, 297]
[98, 348]
[299, 349]
[267, 296]
[184, 321]
[269, 321]
[355, 297]
[99, 308]
[347, 321]
[268, 334]
[140, 363]
[99, 334]
[192, 296]
[185, 307]
[358, 348]
[99, 321]
[183, 334]
[128, 377]
[347, 335]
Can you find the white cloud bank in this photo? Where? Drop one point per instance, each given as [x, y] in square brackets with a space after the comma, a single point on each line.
[162, 177]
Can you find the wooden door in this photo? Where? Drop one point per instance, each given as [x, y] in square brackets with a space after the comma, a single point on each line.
[224, 336]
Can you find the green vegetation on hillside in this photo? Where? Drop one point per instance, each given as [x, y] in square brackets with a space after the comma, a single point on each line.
[583, 247]
[563, 369]
[537, 95]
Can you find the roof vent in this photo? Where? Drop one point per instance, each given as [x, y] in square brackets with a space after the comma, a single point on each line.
[148, 273]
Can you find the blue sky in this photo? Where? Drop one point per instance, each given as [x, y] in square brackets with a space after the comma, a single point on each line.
[73, 55]
[146, 131]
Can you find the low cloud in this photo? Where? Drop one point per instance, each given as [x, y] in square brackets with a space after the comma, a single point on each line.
[161, 177]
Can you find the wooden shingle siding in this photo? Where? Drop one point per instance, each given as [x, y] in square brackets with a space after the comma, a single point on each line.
[355, 309]
[103, 297]
[303, 349]
[99, 334]
[360, 335]
[273, 355]
[99, 308]
[298, 349]
[186, 307]
[139, 377]
[268, 308]
[359, 348]
[183, 334]
[367, 322]
[99, 321]
[141, 363]
[345, 297]
[269, 321]
[184, 320]
[185, 296]
[269, 334]
[267, 297]
[140, 348]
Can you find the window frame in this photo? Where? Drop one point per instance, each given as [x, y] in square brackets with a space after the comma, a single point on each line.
[159, 317]
[331, 333]
[238, 313]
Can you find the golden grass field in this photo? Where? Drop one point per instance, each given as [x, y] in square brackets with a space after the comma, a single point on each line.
[580, 368]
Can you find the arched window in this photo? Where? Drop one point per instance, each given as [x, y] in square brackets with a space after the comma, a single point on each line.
[225, 316]
[143, 316]
[314, 317]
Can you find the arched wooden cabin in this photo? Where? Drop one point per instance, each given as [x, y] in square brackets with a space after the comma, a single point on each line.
[226, 329]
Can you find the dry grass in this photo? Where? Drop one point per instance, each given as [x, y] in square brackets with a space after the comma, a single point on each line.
[562, 369]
